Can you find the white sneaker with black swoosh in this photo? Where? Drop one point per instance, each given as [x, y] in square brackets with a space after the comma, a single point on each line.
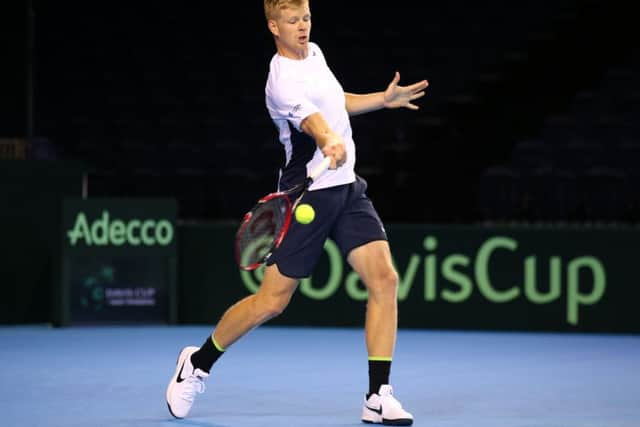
[383, 408]
[184, 385]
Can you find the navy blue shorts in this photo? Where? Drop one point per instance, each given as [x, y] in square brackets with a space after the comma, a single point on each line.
[343, 213]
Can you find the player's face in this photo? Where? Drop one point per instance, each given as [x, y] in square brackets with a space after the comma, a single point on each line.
[292, 29]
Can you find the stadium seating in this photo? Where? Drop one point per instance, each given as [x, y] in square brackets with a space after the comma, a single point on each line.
[158, 103]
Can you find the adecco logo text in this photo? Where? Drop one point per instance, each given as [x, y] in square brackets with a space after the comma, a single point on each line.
[106, 232]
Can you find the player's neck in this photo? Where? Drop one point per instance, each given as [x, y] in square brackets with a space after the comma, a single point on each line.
[296, 54]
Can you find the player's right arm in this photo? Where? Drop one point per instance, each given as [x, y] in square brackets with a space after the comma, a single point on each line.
[329, 142]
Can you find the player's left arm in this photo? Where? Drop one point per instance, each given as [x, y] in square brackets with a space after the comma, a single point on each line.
[395, 96]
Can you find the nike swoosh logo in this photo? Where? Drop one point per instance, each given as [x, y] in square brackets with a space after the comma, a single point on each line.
[180, 379]
[377, 411]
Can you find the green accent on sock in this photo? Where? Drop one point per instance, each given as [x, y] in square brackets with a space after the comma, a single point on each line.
[377, 359]
[217, 346]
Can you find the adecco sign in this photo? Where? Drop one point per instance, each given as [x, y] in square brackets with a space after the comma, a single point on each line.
[119, 261]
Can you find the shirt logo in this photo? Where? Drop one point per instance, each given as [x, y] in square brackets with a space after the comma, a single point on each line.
[295, 110]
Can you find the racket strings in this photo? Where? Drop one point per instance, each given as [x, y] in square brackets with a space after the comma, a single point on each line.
[261, 231]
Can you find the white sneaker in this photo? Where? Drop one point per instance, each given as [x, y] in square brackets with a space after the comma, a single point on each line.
[383, 408]
[184, 385]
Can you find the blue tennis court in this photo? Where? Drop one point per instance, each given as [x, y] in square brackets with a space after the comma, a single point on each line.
[116, 376]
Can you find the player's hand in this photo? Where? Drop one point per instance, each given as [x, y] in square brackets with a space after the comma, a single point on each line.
[335, 149]
[401, 96]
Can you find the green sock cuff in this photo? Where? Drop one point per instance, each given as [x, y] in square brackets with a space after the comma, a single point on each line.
[380, 358]
[216, 345]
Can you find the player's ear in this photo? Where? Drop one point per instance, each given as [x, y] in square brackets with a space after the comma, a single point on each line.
[273, 27]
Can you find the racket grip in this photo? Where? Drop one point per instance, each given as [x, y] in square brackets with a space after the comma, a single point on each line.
[320, 168]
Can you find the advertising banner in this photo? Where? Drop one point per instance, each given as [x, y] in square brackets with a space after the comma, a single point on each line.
[451, 277]
[119, 261]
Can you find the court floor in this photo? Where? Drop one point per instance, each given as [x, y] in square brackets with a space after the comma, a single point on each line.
[277, 376]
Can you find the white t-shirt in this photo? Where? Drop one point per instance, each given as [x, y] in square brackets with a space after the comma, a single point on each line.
[296, 89]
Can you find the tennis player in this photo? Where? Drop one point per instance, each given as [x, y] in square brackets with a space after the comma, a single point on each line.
[311, 112]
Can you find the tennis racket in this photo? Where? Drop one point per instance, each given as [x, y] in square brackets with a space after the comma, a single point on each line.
[263, 228]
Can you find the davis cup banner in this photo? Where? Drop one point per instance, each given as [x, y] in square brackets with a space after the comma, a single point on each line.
[119, 261]
[467, 277]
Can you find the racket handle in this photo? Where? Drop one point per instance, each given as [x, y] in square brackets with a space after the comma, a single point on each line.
[320, 168]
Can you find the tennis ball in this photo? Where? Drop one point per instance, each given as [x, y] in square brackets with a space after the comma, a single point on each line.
[305, 214]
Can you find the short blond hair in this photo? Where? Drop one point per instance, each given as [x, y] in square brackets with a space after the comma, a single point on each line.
[272, 8]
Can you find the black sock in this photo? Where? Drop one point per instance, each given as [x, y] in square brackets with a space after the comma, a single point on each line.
[207, 355]
[378, 374]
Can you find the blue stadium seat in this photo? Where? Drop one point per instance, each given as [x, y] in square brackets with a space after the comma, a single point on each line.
[550, 195]
[605, 194]
[532, 154]
[499, 194]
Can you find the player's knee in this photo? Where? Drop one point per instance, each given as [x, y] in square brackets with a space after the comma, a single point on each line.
[390, 281]
[385, 283]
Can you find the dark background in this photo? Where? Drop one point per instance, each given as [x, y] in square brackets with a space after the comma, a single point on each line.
[531, 114]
